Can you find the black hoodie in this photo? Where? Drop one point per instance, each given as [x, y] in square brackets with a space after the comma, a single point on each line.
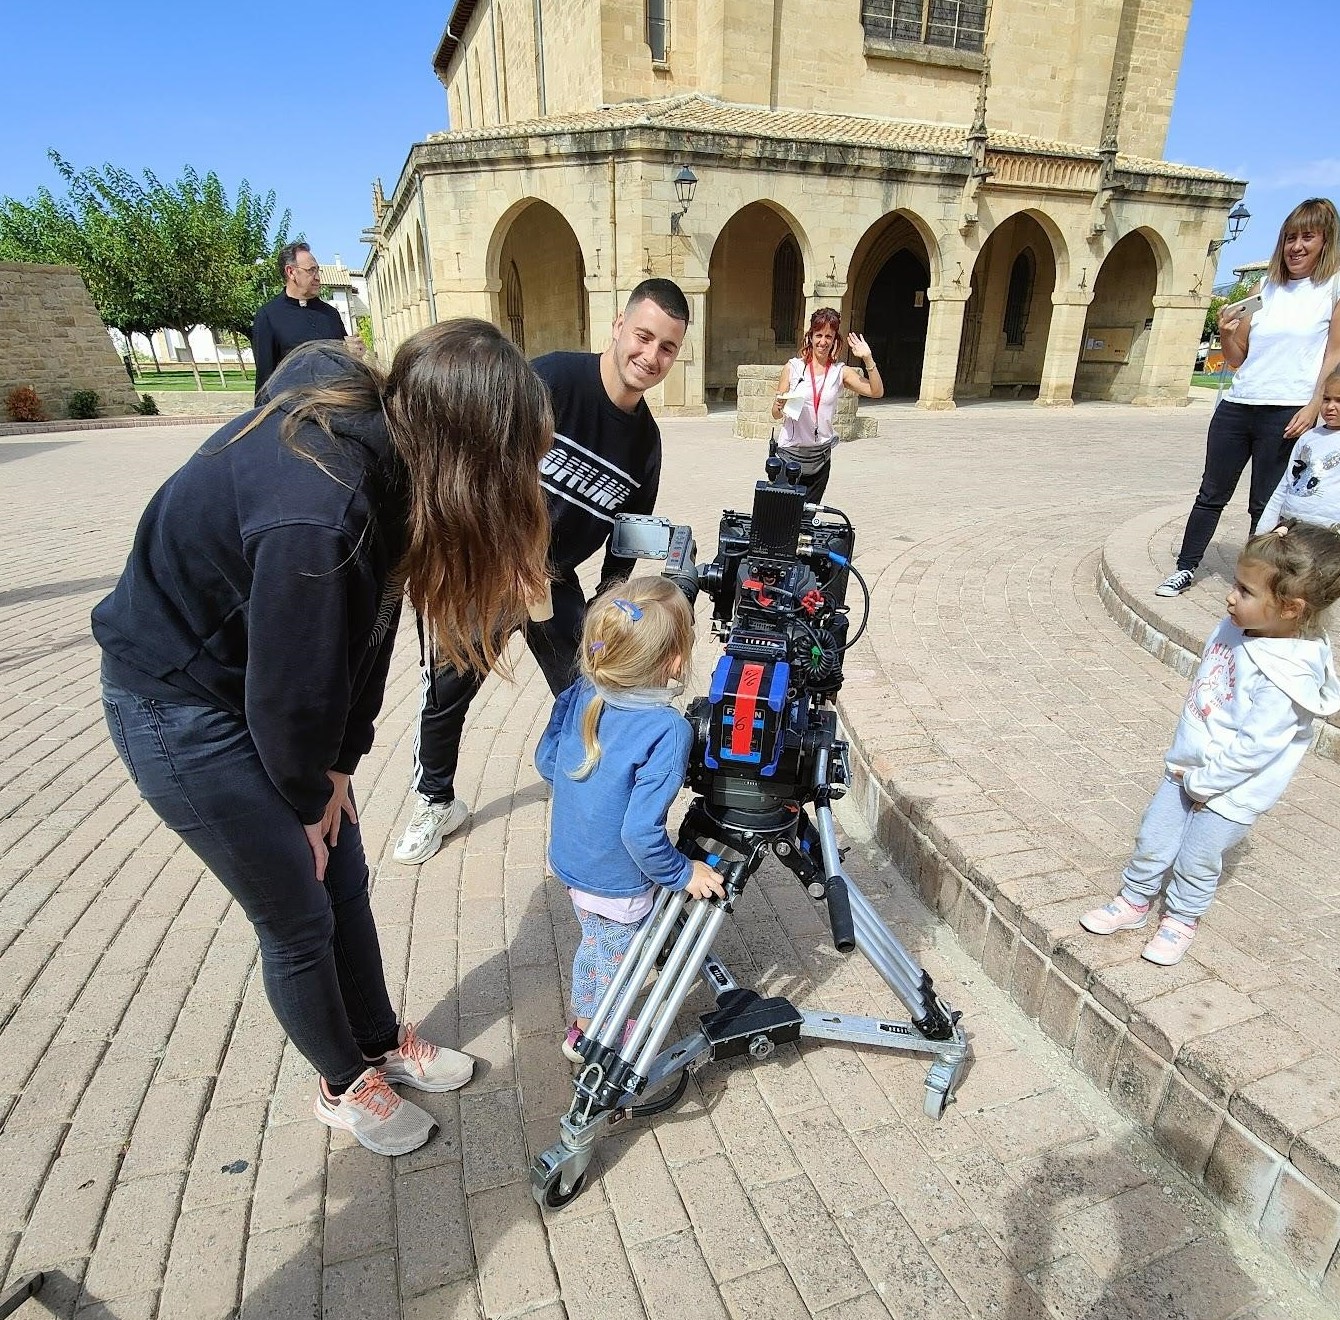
[260, 584]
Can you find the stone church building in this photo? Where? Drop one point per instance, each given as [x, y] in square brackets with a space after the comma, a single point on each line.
[976, 184]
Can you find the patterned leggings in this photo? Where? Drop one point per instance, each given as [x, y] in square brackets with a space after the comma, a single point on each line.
[599, 953]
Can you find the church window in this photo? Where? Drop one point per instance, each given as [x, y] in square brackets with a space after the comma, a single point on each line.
[658, 30]
[516, 312]
[949, 24]
[786, 300]
[1018, 298]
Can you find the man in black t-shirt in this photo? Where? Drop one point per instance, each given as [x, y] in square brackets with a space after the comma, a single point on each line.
[606, 460]
[296, 316]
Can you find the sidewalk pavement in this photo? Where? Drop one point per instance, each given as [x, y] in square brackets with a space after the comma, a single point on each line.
[160, 1154]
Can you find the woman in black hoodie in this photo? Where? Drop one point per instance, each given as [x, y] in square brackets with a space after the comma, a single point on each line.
[246, 647]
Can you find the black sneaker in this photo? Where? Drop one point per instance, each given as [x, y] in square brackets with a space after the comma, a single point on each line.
[1175, 583]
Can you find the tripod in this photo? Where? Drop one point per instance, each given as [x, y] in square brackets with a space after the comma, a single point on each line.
[640, 1075]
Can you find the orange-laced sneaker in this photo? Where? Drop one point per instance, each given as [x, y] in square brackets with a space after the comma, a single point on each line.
[378, 1118]
[426, 1067]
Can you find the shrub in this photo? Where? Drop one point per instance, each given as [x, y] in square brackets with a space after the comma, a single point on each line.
[23, 405]
[147, 406]
[84, 404]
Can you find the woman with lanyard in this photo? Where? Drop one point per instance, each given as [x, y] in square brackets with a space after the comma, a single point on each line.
[807, 395]
[1281, 354]
[247, 643]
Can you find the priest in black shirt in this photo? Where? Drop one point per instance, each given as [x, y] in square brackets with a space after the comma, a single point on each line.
[606, 460]
[296, 316]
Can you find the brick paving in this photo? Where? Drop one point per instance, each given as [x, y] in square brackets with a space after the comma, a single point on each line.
[160, 1153]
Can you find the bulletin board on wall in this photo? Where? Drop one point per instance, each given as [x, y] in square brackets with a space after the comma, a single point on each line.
[1110, 344]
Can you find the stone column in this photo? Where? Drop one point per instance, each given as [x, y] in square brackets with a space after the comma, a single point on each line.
[1064, 339]
[680, 394]
[944, 330]
[1170, 353]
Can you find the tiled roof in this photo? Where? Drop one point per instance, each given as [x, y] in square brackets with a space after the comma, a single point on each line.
[694, 113]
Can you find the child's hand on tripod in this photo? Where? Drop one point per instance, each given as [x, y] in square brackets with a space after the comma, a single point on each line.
[704, 883]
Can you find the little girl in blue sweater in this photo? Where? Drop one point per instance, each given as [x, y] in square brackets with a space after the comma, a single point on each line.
[615, 754]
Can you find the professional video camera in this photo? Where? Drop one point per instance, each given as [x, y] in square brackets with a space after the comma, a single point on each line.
[766, 766]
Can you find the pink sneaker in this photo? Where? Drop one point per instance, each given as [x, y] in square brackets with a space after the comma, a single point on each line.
[1119, 914]
[1171, 941]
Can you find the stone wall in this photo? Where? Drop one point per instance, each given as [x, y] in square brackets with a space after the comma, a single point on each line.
[1054, 67]
[52, 339]
[210, 404]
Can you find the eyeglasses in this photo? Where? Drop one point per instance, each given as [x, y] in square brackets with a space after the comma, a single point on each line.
[308, 270]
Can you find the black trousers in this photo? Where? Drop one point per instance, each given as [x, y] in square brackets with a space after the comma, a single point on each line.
[1239, 433]
[447, 692]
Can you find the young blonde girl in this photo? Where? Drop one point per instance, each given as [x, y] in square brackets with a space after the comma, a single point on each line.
[1265, 676]
[615, 754]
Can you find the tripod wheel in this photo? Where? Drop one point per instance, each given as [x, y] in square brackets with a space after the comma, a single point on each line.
[552, 1197]
[935, 1102]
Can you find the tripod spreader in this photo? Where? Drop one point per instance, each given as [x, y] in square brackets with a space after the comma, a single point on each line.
[619, 1076]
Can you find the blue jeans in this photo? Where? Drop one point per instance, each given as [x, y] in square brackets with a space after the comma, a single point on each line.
[1192, 843]
[198, 768]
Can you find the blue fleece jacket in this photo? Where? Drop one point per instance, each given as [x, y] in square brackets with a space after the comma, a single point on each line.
[608, 834]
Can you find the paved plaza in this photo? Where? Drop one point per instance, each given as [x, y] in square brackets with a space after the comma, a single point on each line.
[1130, 1141]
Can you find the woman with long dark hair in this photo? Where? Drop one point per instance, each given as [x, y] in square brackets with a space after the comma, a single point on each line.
[807, 395]
[1281, 355]
[246, 648]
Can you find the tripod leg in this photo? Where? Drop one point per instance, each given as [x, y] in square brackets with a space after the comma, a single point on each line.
[612, 1011]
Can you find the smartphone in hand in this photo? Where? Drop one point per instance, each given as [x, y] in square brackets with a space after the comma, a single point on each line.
[1236, 311]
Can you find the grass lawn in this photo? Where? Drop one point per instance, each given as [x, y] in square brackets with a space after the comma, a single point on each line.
[1201, 378]
[150, 381]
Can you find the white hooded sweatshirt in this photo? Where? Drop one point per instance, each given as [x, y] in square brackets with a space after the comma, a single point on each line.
[1248, 718]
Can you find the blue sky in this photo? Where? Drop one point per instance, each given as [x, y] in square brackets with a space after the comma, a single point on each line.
[317, 110]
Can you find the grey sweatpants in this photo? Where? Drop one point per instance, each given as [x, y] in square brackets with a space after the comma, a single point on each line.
[1192, 843]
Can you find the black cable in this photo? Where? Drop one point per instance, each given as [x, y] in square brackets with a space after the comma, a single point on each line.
[865, 592]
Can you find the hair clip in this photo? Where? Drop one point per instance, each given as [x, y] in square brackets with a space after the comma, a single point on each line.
[634, 612]
[596, 646]
[1281, 531]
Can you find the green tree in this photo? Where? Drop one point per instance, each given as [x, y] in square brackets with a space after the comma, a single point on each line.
[1239, 291]
[154, 255]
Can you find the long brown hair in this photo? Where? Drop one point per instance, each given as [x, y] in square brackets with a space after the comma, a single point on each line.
[1317, 214]
[470, 421]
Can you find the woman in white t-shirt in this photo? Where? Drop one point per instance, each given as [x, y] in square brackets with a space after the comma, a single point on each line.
[1282, 356]
[807, 395]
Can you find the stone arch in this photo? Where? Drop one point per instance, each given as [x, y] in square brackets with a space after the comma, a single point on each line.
[1163, 258]
[550, 281]
[421, 248]
[739, 317]
[888, 277]
[989, 364]
[1118, 322]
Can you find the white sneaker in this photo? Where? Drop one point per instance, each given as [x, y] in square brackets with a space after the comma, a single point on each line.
[428, 826]
[1175, 583]
[378, 1118]
[426, 1067]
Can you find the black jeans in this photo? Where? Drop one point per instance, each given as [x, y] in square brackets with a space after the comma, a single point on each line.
[1239, 432]
[447, 692]
[198, 768]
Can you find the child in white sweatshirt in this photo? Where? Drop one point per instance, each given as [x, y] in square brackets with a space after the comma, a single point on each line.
[1309, 490]
[1265, 676]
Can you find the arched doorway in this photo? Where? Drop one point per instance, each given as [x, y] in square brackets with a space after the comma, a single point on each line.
[888, 304]
[1009, 313]
[1116, 328]
[755, 296]
[541, 277]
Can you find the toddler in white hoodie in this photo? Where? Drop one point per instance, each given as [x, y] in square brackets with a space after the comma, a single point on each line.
[1309, 490]
[1265, 675]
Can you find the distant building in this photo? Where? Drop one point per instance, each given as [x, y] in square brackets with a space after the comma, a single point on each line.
[978, 187]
